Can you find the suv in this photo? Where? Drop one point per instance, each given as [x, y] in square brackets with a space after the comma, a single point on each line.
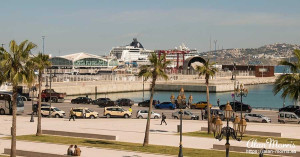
[116, 112]
[55, 112]
[81, 100]
[288, 117]
[185, 115]
[290, 108]
[104, 102]
[215, 112]
[88, 113]
[236, 106]
[144, 114]
[125, 102]
[146, 103]
[257, 118]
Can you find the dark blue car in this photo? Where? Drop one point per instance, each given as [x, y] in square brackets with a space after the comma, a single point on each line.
[168, 105]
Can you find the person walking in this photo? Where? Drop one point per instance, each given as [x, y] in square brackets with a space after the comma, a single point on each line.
[70, 150]
[163, 119]
[202, 114]
[218, 102]
[130, 109]
[72, 115]
[77, 151]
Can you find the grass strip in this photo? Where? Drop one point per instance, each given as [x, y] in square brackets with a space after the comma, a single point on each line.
[247, 137]
[153, 149]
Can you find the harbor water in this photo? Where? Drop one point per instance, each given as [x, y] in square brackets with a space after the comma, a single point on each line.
[259, 96]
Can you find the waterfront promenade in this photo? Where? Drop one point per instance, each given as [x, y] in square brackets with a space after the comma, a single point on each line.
[132, 130]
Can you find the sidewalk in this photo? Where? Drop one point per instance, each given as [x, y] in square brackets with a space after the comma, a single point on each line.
[62, 149]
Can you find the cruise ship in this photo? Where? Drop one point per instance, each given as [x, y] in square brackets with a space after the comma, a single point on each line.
[135, 52]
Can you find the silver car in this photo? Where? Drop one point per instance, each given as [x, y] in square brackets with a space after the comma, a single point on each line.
[288, 117]
[185, 115]
[144, 114]
[257, 118]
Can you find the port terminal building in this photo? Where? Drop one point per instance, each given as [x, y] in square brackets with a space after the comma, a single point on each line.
[82, 62]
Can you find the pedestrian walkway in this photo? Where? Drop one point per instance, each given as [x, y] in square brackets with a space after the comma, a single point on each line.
[62, 149]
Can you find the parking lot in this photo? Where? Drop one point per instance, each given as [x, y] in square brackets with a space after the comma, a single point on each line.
[66, 106]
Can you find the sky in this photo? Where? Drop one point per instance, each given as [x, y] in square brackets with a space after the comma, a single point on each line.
[95, 26]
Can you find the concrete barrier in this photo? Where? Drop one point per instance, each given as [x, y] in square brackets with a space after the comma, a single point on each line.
[84, 135]
[256, 133]
[254, 150]
[32, 154]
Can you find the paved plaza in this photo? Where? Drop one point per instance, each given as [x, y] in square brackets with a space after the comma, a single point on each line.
[130, 130]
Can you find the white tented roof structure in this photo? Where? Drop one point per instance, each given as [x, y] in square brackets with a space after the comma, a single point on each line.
[78, 56]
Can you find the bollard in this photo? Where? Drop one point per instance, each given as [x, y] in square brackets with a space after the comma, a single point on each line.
[32, 119]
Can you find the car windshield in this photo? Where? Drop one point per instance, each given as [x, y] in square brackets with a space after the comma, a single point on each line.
[188, 112]
[122, 109]
[56, 109]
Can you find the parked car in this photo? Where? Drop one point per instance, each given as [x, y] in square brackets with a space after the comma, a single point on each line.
[81, 100]
[288, 117]
[257, 118]
[168, 105]
[185, 115]
[290, 108]
[55, 96]
[125, 102]
[215, 112]
[200, 105]
[144, 114]
[146, 103]
[55, 112]
[104, 102]
[88, 113]
[237, 107]
[116, 112]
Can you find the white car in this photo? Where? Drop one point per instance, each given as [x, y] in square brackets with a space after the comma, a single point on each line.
[257, 118]
[55, 112]
[144, 114]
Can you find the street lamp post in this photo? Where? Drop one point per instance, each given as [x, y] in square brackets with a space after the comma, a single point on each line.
[239, 126]
[241, 91]
[181, 100]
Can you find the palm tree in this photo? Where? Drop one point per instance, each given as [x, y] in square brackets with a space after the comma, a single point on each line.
[41, 62]
[17, 69]
[208, 70]
[289, 83]
[153, 71]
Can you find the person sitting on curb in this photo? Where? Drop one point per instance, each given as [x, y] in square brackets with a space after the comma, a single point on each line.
[70, 150]
[77, 151]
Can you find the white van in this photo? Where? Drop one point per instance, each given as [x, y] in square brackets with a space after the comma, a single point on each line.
[288, 117]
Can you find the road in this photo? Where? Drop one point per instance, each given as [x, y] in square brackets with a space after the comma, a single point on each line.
[66, 106]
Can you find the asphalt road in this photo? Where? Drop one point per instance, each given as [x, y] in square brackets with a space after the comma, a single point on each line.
[66, 106]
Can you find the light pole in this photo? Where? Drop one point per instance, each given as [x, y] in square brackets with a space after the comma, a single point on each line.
[43, 37]
[239, 126]
[241, 91]
[181, 99]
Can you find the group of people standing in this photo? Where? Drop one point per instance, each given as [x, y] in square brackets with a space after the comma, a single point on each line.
[74, 151]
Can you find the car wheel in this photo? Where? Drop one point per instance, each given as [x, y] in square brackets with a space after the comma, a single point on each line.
[92, 117]
[175, 117]
[57, 116]
[264, 121]
[126, 116]
[108, 116]
[155, 117]
[2, 112]
[247, 120]
[139, 105]
[140, 117]
[156, 107]
[54, 100]
[72, 102]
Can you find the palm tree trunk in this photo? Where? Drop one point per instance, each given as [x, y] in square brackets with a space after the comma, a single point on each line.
[146, 139]
[208, 108]
[14, 123]
[39, 125]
